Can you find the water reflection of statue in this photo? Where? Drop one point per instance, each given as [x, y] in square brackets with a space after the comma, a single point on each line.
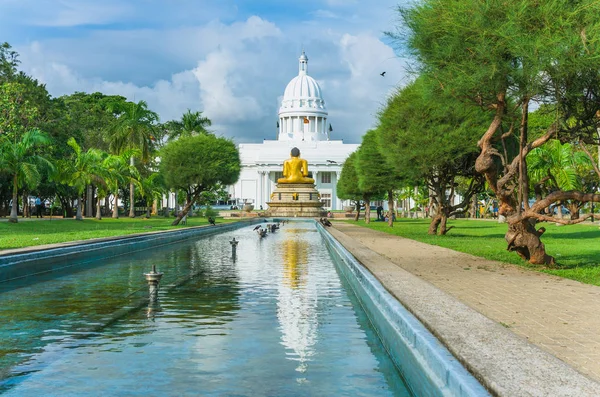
[297, 301]
[295, 169]
[295, 261]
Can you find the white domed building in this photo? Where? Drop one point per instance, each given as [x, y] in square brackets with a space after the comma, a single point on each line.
[303, 124]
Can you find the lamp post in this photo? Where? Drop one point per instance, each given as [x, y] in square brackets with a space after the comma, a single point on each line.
[153, 279]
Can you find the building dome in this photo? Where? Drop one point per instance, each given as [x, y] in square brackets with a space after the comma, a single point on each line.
[303, 115]
[303, 88]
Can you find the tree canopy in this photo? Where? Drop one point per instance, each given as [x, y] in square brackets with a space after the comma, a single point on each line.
[432, 137]
[199, 163]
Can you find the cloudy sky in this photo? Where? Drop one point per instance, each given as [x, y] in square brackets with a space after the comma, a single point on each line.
[229, 58]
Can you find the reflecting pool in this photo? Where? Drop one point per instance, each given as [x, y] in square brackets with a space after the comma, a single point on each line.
[276, 321]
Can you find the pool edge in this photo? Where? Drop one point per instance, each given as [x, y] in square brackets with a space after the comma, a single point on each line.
[427, 365]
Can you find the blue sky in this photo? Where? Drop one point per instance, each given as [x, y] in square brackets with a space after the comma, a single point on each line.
[229, 58]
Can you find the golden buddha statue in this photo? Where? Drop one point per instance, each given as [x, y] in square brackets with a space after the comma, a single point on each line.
[295, 169]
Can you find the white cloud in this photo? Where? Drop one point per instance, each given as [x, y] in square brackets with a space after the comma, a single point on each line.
[234, 72]
[220, 78]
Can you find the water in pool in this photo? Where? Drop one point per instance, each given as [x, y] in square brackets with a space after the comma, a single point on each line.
[278, 321]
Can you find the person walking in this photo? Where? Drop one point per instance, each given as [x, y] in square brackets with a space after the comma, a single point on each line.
[38, 208]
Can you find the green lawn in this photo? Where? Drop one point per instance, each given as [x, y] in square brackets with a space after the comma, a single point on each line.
[29, 233]
[576, 247]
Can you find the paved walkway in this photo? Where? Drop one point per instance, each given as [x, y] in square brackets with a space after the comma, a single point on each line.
[558, 315]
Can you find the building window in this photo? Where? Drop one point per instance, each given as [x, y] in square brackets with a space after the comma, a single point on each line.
[326, 177]
[326, 200]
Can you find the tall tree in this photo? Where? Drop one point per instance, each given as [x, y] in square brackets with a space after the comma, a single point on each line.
[197, 164]
[81, 170]
[133, 129]
[9, 60]
[21, 161]
[191, 123]
[152, 187]
[431, 136]
[502, 55]
[375, 175]
[91, 117]
[348, 187]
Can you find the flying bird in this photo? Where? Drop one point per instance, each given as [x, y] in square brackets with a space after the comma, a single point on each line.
[332, 162]
[382, 74]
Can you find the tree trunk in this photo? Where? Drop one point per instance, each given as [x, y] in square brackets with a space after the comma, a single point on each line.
[115, 212]
[390, 208]
[98, 209]
[106, 205]
[443, 224]
[175, 210]
[357, 211]
[367, 210]
[131, 192]
[523, 239]
[435, 223]
[14, 216]
[154, 207]
[26, 209]
[148, 208]
[89, 201]
[79, 216]
[183, 213]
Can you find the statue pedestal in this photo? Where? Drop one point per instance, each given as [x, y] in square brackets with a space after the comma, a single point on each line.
[295, 200]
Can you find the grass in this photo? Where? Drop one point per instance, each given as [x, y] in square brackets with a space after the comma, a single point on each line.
[576, 248]
[31, 233]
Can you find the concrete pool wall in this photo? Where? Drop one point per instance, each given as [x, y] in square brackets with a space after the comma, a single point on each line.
[427, 366]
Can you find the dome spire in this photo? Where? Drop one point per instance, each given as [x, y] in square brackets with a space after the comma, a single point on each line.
[303, 68]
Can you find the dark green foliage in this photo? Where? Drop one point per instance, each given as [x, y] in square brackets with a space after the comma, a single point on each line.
[375, 175]
[191, 123]
[134, 129]
[202, 161]
[425, 131]
[91, 116]
[348, 185]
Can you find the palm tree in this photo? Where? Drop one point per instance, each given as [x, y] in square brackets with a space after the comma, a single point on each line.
[191, 123]
[114, 169]
[152, 188]
[120, 171]
[82, 170]
[134, 129]
[18, 158]
[559, 166]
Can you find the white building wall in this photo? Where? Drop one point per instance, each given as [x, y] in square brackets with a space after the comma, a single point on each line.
[262, 164]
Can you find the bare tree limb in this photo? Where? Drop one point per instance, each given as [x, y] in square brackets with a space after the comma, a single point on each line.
[548, 218]
[560, 195]
[587, 152]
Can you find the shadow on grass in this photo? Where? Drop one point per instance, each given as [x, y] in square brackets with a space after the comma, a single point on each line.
[577, 262]
[452, 233]
[589, 234]
[472, 227]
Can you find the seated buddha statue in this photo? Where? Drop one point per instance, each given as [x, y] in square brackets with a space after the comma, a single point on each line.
[295, 169]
